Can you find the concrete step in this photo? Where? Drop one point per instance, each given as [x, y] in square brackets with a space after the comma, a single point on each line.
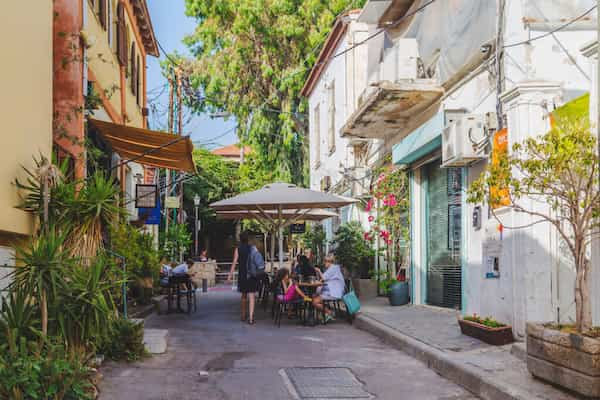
[155, 340]
[519, 350]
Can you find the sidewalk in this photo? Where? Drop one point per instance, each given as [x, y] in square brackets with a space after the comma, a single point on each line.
[432, 335]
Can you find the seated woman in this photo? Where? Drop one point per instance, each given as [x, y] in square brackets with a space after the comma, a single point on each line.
[305, 269]
[333, 288]
[288, 290]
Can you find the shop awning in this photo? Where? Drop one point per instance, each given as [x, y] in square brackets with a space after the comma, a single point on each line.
[147, 147]
[420, 142]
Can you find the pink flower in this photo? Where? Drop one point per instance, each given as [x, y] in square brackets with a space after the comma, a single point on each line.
[371, 218]
[391, 200]
[369, 205]
[367, 236]
[384, 234]
[381, 177]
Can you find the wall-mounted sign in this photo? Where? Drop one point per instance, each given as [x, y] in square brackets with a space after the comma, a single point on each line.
[150, 216]
[172, 202]
[298, 228]
[145, 196]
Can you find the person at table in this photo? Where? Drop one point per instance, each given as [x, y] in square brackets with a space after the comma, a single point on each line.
[288, 291]
[247, 285]
[203, 256]
[333, 288]
[183, 268]
[165, 272]
[305, 269]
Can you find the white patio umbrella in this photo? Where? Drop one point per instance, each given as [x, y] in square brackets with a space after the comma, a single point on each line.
[271, 200]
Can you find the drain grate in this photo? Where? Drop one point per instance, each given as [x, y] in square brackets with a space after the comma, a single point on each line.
[325, 383]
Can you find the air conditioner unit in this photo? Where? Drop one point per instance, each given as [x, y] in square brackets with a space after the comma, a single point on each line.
[464, 141]
[400, 61]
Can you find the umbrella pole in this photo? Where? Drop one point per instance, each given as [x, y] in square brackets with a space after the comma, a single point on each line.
[280, 229]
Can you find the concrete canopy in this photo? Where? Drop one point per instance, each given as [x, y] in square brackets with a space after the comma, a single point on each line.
[389, 108]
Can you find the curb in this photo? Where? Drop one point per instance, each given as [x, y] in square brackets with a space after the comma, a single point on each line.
[465, 375]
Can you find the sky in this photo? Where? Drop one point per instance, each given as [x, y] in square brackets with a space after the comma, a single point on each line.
[170, 27]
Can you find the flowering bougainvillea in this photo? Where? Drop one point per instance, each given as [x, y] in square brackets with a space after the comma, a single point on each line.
[388, 214]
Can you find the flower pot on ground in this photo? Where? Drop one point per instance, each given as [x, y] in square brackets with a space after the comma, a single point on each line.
[564, 357]
[399, 293]
[365, 288]
[487, 330]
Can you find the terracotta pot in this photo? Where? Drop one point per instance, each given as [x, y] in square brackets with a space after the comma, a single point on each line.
[564, 359]
[495, 336]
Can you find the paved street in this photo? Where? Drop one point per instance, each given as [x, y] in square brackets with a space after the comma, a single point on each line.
[211, 355]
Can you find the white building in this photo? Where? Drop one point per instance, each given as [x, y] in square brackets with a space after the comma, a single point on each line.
[436, 67]
[340, 75]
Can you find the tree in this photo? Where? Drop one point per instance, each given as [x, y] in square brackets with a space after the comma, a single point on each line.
[554, 179]
[252, 58]
[351, 250]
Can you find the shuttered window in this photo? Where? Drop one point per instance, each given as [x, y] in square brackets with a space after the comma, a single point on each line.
[121, 36]
[132, 72]
[137, 80]
[102, 13]
[109, 23]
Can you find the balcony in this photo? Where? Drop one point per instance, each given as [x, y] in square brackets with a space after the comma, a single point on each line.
[396, 94]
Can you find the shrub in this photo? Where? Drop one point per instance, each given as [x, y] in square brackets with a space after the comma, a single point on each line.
[351, 250]
[126, 341]
[487, 321]
[43, 370]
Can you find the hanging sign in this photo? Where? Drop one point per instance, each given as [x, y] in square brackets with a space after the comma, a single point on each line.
[172, 202]
[150, 216]
[298, 228]
[145, 196]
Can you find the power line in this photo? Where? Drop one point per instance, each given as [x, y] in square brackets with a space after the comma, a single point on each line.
[560, 28]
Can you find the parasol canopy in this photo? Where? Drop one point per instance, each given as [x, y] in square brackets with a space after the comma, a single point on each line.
[299, 215]
[282, 196]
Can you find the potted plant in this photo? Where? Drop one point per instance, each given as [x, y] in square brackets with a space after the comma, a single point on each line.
[388, 215]
[559, 170]
[486, 329]
[355, 255]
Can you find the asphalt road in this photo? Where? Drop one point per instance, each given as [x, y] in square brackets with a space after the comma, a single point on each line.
[213, 356]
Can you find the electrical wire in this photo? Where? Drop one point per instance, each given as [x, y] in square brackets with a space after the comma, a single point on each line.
[560, 28]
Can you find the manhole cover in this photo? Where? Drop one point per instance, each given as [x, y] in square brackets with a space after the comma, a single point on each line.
[325, 383]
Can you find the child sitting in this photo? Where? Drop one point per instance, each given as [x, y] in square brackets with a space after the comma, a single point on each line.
[289, 291]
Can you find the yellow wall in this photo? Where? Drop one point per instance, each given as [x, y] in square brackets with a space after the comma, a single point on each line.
[106, 66]
[25, 100]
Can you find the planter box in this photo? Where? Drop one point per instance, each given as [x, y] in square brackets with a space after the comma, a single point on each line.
[494, 336]
[365, 288]
[564, 359]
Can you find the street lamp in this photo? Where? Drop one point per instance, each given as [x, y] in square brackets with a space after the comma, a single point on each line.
[196, 224]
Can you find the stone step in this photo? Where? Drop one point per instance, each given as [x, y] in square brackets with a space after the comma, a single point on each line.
[155, 340]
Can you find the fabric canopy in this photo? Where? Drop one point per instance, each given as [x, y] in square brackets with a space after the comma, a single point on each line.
[147, 147]
[282, 196]
[299, 215]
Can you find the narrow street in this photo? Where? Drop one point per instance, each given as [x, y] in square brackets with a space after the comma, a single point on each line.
[212, 355]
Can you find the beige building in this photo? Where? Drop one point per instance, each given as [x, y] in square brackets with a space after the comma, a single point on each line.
[26, 108]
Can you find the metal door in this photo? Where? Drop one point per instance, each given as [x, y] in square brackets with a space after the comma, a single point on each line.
[443, 227]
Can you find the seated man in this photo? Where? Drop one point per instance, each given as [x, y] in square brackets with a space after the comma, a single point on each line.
[333, 288]
[183, 268]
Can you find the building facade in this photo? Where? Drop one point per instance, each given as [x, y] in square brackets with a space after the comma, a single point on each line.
[26, 103]
[448, 85]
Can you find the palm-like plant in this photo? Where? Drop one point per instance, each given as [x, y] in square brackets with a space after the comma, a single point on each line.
[18, 317]
[88, 306]
[88, 212]
[44, 264]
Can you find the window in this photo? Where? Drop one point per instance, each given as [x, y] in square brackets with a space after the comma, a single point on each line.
[331, 127]
[121, 36]
[109, 23]
[137, 81]
[102, 13]
[317, 129]
[132, 71]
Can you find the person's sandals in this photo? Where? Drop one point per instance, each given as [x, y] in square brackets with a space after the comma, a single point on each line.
[251, 322]
[328, 318]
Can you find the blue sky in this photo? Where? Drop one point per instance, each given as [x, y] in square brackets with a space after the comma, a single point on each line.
[170, 26]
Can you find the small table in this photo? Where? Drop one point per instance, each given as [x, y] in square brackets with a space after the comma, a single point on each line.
[309, 288]
[176, 282]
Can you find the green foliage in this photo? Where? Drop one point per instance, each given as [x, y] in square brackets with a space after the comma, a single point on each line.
[43, 370]
[175, 241]
[87, 308]
[553, 178]
[351, 250]
[314, 239]
[385, 281]
[125, 342]
[137, 247]
[18, 316]
[487, 321]
[252, 59]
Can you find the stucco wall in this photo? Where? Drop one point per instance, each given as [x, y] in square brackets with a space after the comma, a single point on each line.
[25, 100]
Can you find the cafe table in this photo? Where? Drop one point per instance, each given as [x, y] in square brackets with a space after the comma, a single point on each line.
[309, 289]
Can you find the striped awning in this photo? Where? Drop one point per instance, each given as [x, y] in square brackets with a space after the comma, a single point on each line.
[147, 147]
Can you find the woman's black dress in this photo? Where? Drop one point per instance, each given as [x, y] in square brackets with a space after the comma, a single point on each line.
[245, 284]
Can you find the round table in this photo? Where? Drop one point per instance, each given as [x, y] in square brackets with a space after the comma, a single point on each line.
[309, 289]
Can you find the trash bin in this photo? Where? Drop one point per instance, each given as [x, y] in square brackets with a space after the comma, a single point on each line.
[399, 294]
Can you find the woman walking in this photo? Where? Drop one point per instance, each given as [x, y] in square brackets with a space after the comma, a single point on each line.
[247, 285]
